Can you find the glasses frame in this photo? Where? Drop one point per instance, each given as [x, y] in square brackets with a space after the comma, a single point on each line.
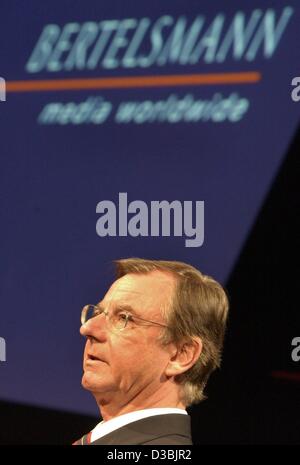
[107, 315]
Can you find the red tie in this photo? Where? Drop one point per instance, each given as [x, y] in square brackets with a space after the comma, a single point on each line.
[84, 441]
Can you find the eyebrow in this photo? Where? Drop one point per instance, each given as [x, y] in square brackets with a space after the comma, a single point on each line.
[120, 307]
[127, 308]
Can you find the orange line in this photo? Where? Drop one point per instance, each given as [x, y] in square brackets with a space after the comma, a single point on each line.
[134, 81]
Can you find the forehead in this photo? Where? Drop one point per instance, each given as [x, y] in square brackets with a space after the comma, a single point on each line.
[148, 292]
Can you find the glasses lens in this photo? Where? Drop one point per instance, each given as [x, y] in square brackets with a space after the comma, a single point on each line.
[118, 320]
[88, 312]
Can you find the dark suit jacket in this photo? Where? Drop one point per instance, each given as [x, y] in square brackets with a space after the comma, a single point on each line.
[169, 429]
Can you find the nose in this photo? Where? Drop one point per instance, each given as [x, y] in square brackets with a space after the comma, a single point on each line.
[94, 327]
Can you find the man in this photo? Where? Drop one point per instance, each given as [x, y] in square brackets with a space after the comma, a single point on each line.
[152, 343]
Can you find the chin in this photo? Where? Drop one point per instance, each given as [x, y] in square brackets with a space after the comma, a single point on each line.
[88, 381]
[91, 382]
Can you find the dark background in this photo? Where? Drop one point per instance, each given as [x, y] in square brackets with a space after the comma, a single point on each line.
[246, 404]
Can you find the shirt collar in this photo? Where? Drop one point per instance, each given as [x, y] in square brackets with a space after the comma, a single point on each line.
[106, 427]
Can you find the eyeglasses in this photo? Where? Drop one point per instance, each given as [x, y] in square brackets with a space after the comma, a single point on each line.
[116, 320]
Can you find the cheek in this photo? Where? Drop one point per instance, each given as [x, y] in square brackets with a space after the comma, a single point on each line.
[143, 360]
[138, 356]
[85, 352]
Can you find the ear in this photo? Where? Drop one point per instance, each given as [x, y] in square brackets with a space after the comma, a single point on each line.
[184, 356]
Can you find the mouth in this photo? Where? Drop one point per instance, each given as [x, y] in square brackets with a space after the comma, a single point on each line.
[93, 358]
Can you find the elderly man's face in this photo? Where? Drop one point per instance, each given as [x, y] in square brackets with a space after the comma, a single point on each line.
[126, 364]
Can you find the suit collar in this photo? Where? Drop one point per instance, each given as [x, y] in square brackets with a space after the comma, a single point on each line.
[148, 429]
